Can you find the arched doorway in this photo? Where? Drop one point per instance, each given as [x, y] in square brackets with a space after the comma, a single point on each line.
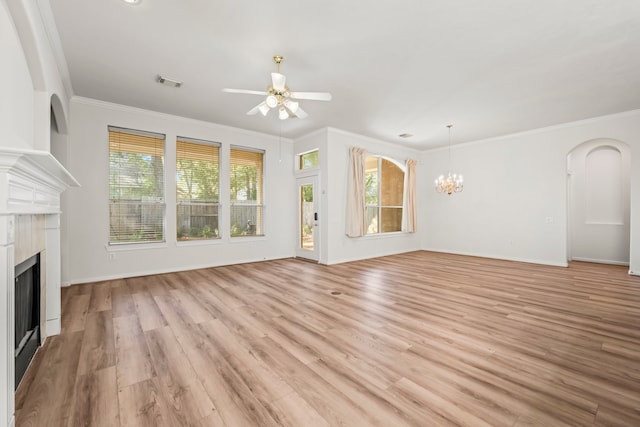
[598, 202]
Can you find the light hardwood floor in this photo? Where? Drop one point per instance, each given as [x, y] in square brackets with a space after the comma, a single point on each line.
[421, 339]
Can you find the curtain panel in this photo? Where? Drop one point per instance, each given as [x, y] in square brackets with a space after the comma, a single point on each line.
[356, 220]
[409, 206]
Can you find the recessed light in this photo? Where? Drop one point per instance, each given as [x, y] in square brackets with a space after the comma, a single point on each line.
[132, 2]
[405, 135]
[168, 81]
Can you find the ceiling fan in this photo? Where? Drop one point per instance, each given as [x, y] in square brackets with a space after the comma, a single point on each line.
[279, 96]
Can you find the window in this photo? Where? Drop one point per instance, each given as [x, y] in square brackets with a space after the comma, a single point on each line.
[384, 185]
[246, 174]
[197, 189]
[309, 160]
[136, 186]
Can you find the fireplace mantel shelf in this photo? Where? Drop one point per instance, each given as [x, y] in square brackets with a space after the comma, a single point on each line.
[31, 182]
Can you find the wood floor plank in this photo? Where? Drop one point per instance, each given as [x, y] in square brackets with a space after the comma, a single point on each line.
[146, 403]
[148, 311]
[413, 339]
[100, 297]
[98, 346]
[75, 313]
[121, 301]
[295, 411]
[98, 399]
[134, 362]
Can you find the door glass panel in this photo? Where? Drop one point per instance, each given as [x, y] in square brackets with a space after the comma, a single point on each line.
[307, 213]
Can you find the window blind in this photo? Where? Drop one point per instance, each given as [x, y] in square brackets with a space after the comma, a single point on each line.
[136, 186]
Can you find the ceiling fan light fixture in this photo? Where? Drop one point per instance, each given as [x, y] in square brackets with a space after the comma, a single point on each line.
[272, 101]
[283, 114]
[292, 105]
[263, 108]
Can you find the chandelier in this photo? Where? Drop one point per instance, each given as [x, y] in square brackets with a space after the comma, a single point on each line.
[452, 183]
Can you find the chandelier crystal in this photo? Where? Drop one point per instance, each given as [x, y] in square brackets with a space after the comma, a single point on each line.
[452, 183]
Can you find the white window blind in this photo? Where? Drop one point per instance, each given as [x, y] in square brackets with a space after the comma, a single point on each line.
[197, 189]
[246, 179]
[136, 186]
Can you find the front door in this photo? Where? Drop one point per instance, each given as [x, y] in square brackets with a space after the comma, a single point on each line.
[308, 221]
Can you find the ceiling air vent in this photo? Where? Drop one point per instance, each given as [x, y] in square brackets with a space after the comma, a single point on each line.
[168, 81]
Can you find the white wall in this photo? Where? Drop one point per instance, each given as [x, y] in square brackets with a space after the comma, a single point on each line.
[514, 204]
[16, 88]
[91, 259]
[335, 166]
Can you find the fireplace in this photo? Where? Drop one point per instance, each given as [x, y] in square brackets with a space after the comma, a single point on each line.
[27, 314]
[30, 186]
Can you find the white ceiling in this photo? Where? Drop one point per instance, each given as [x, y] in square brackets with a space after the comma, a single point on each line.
[489, 67]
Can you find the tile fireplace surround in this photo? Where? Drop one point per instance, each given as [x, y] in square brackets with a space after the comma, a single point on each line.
[30, 184]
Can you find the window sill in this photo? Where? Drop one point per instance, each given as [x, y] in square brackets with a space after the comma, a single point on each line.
[385, 235]
[126, 247]
[242, 239]
[199, 242]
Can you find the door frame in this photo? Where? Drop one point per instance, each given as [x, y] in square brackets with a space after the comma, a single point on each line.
[312, 177]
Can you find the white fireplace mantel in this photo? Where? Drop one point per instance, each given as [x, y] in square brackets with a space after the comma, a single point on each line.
[30, 183]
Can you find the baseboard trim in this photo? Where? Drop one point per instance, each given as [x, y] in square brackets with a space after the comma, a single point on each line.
[515, 259]
[350, 259]
[164, 271]
[599, 261]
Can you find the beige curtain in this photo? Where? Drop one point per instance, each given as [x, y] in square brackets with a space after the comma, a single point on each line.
[356, 223]
[409, 209]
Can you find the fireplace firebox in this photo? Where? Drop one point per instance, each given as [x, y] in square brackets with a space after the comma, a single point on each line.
[27, 314]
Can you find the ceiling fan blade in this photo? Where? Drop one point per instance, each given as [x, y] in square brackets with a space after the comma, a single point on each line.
[250, 92]
[278, 81]
[315, 96]
[301, 114]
